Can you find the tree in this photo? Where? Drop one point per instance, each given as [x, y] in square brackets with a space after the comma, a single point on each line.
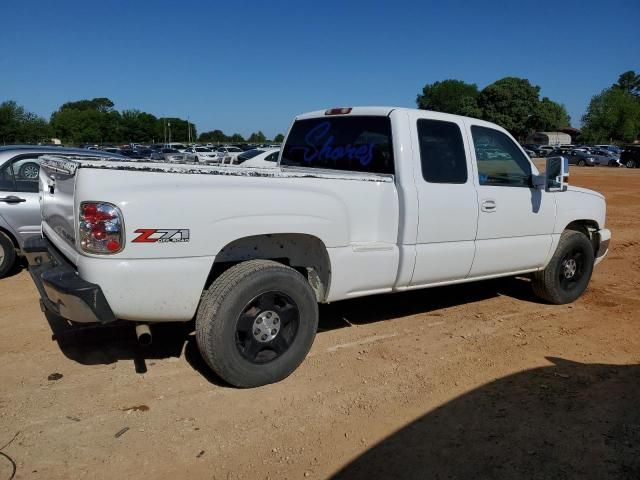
[510, 102]
[20, 126]
[450, 96]
[214, 136]
[549, 116]
[279, 138]
[236, 138]
[87, 121]
[629, 82]
[137, 126]
[179, 129]
[612, 115]
[257, 137]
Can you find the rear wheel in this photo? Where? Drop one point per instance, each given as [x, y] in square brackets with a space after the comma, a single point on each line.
[256, 323]
[630, 164]
[568, 273]
[581, 163]
[7, 255]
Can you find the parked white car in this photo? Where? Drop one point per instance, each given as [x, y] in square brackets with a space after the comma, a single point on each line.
[259, 158]
[364, 201]
[201, 154]
[228, 155]
[181, 147]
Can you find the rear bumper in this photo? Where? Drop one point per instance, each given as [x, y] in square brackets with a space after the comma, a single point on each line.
[62, 291]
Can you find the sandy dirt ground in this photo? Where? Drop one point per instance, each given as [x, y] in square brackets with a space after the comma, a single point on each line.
[471, 381]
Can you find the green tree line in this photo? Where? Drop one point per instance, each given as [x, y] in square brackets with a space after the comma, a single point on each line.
[97, 121]
[514, 103]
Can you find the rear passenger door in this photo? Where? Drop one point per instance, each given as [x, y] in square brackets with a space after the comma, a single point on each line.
[515, 222]
[447, 198]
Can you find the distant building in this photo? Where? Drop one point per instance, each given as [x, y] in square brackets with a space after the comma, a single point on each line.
[549, 138]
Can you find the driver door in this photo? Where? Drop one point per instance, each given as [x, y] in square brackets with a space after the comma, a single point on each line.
[515, 221]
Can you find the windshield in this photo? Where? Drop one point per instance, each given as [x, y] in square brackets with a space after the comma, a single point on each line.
[353, 143]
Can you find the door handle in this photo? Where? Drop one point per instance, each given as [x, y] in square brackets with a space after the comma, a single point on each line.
[488, 206]
[12, 199]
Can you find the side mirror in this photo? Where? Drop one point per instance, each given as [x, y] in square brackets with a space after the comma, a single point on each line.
[556, 174]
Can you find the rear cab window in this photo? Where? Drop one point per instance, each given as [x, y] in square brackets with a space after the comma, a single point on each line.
[442, 152]
[355, 143]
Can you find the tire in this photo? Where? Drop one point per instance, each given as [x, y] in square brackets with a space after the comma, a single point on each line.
[568, 273]
[7, 255]
[197, 160]
[581, 163]
[630, 164]
[29, 170]
[256, 323]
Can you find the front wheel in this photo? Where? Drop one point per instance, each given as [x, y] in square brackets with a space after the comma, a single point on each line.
[256, 323]
[630, 164]
[568, 273]
[581, 163]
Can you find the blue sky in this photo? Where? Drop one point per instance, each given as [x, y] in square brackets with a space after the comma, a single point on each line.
[243, 66]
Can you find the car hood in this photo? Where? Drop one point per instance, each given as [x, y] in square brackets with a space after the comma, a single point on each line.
[571, 188]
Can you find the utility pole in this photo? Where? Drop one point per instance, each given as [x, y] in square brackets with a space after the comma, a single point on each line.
[169, 125]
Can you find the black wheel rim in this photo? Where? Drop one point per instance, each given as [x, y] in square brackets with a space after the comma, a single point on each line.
[267, 327]
[572, 269]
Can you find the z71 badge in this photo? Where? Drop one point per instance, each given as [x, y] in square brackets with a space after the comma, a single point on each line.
[161, 235]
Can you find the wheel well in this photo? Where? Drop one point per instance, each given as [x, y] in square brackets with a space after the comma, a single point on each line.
[305, 253]
[588, 227]
[10, 237]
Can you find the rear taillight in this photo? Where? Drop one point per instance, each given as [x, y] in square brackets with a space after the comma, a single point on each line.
[101, 228]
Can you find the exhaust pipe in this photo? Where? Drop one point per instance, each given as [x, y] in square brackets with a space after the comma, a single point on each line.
[143, 332]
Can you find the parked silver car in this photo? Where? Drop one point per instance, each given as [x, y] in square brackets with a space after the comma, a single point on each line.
[19, 205]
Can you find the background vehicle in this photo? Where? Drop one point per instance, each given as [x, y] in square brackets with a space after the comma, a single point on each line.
[365, 201]
[200, 154]
[579, 157]
[168, 155]
[630, 156]
[605, 157]
[259, 158]
[19, 205]
[228, 154]
[181, 147]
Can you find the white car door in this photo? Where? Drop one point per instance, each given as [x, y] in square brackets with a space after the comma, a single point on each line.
[447, 199]
[515, 222]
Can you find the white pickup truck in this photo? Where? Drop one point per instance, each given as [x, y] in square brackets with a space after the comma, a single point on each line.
[364, 201]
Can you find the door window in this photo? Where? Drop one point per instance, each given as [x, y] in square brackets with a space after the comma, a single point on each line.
[25, 172]
[441, 152]
[500, 161]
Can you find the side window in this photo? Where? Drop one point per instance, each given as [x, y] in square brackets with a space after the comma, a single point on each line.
[272, 158]
[500, 161]
[441, 152]
[7, 181]
[25, 172]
